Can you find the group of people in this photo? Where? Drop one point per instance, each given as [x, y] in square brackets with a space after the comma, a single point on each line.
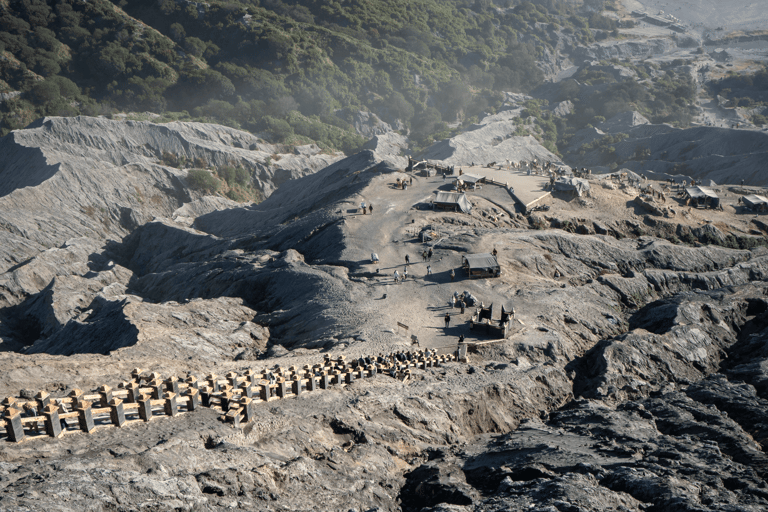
[426, 255]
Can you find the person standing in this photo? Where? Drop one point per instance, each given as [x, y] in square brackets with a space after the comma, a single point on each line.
[407, 259]
[429, 254]
[397, 277]
[405, 273]
[424, 256]
[370, 208]
[429, 270]
[447, 320]
[453, 275]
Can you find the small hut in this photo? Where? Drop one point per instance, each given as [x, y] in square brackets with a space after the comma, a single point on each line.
[452, 201]
[755, 203]
[702, 197]
[481, 265]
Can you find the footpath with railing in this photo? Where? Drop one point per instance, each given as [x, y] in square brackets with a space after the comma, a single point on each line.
[236, 396]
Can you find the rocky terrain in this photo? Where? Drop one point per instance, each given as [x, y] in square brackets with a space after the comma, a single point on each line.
[634, 378]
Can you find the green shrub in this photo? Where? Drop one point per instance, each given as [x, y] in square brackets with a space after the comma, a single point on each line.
[203, 181]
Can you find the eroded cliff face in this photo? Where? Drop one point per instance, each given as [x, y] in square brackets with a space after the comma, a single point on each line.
[635, 376]
[64, 178]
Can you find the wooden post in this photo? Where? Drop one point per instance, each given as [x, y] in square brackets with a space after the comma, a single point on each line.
[85, 416]
[171, 405]
[117, 413]
[105, 394]
[296, 385]
[145, 407]
[13, 426]
[52, 423]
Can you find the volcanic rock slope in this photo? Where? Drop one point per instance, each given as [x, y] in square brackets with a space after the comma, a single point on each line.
[635, 377]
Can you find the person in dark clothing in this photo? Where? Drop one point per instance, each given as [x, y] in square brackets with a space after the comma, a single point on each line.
[461, 339]
[447, 320]
[429, 254]
[407, 259]
[370, 208]
[453, 275]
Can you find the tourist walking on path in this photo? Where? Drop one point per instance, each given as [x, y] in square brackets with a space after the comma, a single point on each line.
[453, 275]
[407, 259]
[447, 320]
[424, 255]
[405, 273]
[429, 270]
[397, 277]
[429, 254]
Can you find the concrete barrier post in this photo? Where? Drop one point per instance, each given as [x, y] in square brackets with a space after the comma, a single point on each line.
[246, 389]
[225, 399]
[232, 379]
[311, 383]
[116, 412]
[296, 385]
[172, 384]
[105, 395]
[133, 392]
[13, 426]
[145, 407]
[282, 388]
[192, 382]
[205, 396]
[42, 399]
[77, 396]
[264, 391]
[325, 380]
[52, 423]
[156, 387]
[193, 401]
[213, 382]
[171, 404]
[85, 416]
[248, 409]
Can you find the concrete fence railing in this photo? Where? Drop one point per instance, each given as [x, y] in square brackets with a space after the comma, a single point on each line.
[235, 395]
